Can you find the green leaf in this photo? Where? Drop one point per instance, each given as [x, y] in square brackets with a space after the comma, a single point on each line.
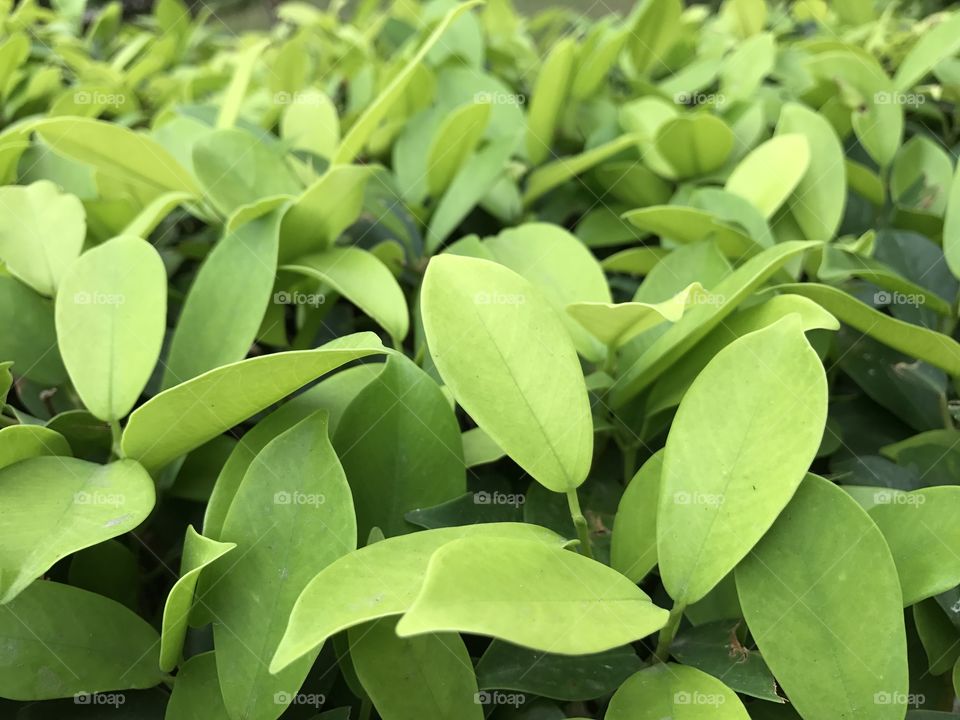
[41, 233]
[310, 122]
[689, 225]
[694, 145]
[117, 152]
[633, 548]
[361, 277]
[771, 172]
[239, 81]
[72, 642]
[617, 324]
[951, 227]
[762, 401]
[547, 177]
[822, 584]
[367, 124]
[81, 505]
[561, 677]
[700, 320]
[455, 141]
[236, 168]
[718, 648]
[111, 317]
[436, 680]
[548, 99]
[187, 415]
[920, 528]
[19, 442]
[560, 267]
[936, 44]
[663, 691]
[671, 387]
[482, 319]
[198, 553]
[351, 590]
[656, 27]
[196, 693]
[292, 516]
[562, 602]
[29, 338]
[224, 308]
[324, 210]
[332, 394]
[817, 203]
[935, 348]
[400, 446]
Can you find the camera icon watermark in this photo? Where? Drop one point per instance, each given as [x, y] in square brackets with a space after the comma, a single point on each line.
[898, 98]
[99, 498]
[499, 298]
[899, 698]
[499, 98]
[314, 700]
[484, 497]
[298, 498]
[114, 700]
[684, 697]
[885, 297]
[497, 697]
[699, 98]
[86, 97]
[98, 298]
[285, 297]
[683, 497]
[896, 497]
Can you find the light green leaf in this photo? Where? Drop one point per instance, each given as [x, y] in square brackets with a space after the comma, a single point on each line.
[437, 680]
[19, 442]
[936, 44]
[674, 691]
[741, 442]
[482, 319]
[351, 590]
[919, 342]
[362, 278]
[559, 265]
[656, 28]
[310, 122]
[198, 553]
[822, 584]
[633, 547]
[546, 177]
[771, 172]
[694, 145]
[479, 448]
[479, 175]
[951, 226]
[292, 516]
[224, 308]
[41, 233]
[689, 225]
[332, 394]
[548, 99]
[111, 316]
[236, 168]
[616, 324]
[818, 201]
[455, 141]
[745, 68]
[700, 320]
[324, 210]
[367, 124]
[187, 415]
[73, 642]
[153, 214]
[921, 529]
[239, 81]
[671, 387]
[400, 446]
[562, 602]
[81, 505]
[117, 152]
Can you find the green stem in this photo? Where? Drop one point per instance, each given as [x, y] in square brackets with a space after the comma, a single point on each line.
[116, 434]
[580, 522]
[668, 632]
